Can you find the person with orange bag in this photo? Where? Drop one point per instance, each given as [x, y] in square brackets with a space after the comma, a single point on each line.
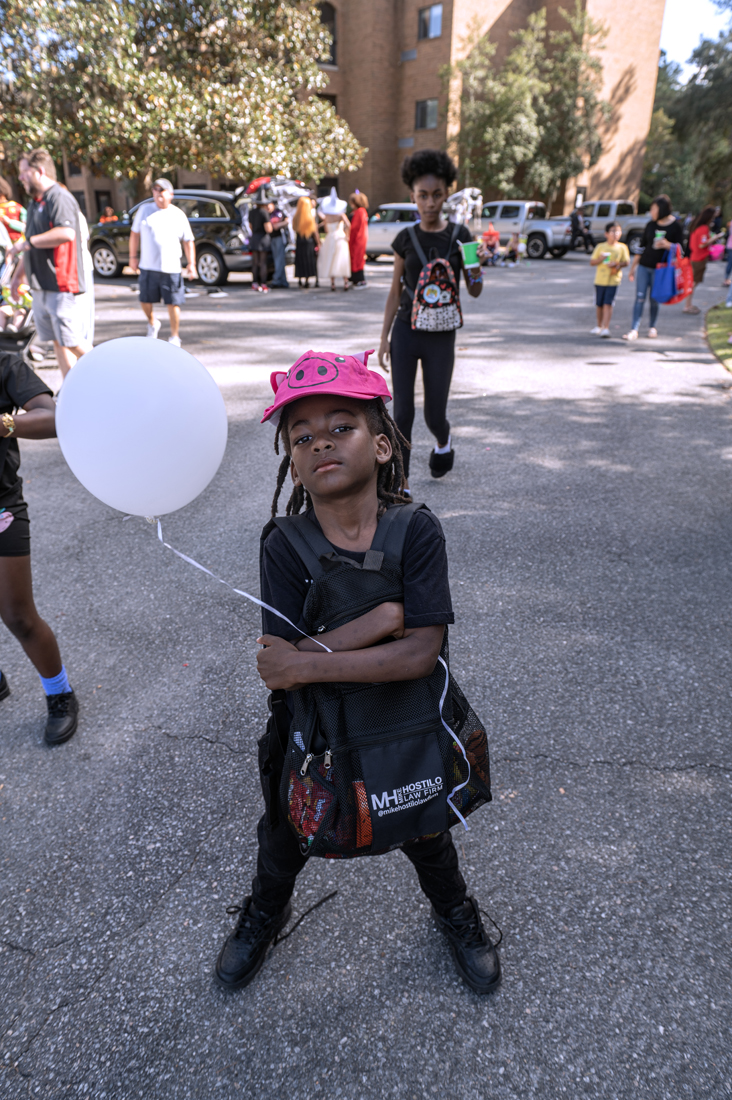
[699, 243]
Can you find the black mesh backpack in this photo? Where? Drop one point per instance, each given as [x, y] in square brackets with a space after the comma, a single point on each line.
[366, 767]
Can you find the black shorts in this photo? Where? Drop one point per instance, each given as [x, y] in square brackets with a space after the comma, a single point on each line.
[15, 539]
[155, 285]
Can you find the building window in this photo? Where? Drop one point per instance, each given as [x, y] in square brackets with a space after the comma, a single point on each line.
[430, 21]
[81, 199]
[325, 185]
[103, 199]
[332, 99]
[426, 114]
[328, 19]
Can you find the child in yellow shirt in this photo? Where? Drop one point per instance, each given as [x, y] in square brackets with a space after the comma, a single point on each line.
[609, 259]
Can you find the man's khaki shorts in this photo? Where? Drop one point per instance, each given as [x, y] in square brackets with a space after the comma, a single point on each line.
[57, 316]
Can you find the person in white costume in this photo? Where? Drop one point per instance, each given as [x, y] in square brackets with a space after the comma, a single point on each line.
[334, 258]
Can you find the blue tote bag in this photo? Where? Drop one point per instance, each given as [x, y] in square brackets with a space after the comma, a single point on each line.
[664, 279]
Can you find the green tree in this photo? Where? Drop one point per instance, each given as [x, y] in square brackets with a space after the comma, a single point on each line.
[572, 114]
[670, 165]
[132, 88]
[536, 121]
[499, 129]
[703, 115]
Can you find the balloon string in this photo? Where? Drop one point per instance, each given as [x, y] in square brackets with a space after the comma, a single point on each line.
[239, 592]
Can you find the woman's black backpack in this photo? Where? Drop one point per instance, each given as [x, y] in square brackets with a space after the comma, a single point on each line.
[366, 767]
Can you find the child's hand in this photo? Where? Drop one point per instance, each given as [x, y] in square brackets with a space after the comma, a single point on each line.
[277, 663]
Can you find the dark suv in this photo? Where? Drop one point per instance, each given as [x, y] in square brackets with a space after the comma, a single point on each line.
[219, 220]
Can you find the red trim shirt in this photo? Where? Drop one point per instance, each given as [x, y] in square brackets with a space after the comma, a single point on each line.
[60, 268]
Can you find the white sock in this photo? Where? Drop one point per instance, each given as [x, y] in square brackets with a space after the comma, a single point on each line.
[446, 449]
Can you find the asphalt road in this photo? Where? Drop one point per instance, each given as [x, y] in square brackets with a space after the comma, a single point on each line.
[589, 532]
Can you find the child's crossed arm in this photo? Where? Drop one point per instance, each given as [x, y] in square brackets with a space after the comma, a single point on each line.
[356, 657]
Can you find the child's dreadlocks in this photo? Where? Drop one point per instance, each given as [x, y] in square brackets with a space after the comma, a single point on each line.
[390, 480]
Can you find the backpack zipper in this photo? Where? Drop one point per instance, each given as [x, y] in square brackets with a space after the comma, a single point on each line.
[327, 761]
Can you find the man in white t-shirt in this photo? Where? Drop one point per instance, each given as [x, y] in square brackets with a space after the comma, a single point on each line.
[158, 231]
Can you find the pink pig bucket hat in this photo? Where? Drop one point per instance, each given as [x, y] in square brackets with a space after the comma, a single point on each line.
[318, 372]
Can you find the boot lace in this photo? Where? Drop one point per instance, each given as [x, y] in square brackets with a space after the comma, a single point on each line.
[467, 927]
[58, 705]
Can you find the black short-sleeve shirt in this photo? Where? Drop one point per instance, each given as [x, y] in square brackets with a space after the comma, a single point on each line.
[259, 240]
[433, 245]
[427, 602]
[18, 385]
[652, 256]
[60, 268]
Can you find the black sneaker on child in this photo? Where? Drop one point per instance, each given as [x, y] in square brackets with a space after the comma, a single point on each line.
[475, 956]
[242, 956]
[63, 717]
[4, 686]
[441, 464]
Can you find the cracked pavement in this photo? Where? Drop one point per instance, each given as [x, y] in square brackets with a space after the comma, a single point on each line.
[589, 529]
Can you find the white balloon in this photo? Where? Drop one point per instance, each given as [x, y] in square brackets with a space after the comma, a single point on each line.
[142, 424]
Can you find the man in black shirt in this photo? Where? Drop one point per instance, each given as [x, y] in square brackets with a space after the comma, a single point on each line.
[51, 259]
[278, 244]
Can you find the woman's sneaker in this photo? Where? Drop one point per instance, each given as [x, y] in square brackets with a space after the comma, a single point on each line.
[242, 956]
[595, 331]
[441, 464]
[475, 956]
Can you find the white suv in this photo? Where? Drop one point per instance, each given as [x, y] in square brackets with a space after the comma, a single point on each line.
[384, 224]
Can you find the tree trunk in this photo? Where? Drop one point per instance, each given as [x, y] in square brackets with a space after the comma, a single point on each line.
[143, 184]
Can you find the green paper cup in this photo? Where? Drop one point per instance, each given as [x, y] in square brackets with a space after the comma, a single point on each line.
[470, 253]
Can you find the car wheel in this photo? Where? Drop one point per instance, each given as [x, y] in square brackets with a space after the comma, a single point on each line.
[558, 252]
[105, 262]
[210, 267]
[635, 243]
[536, 247]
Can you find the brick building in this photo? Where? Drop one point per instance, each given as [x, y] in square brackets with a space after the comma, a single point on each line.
[385, 80]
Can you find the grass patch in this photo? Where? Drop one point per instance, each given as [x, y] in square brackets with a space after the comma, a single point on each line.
[719, 328]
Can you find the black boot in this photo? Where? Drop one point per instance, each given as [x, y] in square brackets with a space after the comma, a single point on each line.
[441, 464]
[242, 956]
[4, 686]
[63, 717]
[475, 956]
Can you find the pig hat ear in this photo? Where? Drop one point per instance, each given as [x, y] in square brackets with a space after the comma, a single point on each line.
[325, 373]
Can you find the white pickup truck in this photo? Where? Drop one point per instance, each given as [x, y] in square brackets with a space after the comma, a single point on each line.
[597, 214]
[553, 235]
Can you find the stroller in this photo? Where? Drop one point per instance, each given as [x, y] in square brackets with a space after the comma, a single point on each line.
[21, 336]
